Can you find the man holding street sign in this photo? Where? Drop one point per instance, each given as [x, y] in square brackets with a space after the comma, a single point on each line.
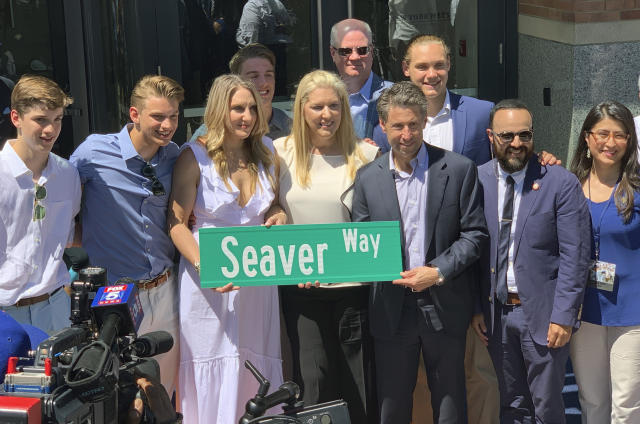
[435, 195]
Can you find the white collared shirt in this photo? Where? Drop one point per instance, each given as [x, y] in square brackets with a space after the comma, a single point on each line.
[518, 177]
[31, 251]
[439, 129]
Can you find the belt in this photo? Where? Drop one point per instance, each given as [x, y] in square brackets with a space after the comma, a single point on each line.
[513, 299]
[154, 282]
[27, 301]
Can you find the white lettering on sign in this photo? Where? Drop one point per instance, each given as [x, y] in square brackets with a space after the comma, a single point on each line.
[351, 244]
[268, 258]
[266, 261]
[249, 258]
[305, 256]
[234, 262]
[287, 262]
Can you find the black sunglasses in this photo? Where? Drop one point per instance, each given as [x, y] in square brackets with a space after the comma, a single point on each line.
[156, 186]
[525, 136]
[346, 51]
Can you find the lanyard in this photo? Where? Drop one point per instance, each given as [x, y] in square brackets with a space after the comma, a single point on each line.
[596, 229]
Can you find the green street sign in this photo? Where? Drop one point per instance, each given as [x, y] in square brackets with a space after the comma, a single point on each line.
[291, 254]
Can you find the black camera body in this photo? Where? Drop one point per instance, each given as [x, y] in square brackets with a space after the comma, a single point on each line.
[85, 373]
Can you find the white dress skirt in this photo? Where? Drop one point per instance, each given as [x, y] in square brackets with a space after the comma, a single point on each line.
[218, 332]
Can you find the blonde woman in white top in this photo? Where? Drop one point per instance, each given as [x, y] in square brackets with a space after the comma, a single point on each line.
[327, 325]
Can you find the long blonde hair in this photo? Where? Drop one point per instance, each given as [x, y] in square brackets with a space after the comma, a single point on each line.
[216, 119]
[346, 137]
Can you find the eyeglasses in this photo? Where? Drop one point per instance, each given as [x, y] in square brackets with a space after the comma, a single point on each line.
[602, 136]
[507, 137]
[156, 186]
[38, 209]
[346, 51]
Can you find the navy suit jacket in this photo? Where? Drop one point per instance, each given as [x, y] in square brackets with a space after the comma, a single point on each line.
[372, 124]
[552, 246]
[456, 233]
[470, 118]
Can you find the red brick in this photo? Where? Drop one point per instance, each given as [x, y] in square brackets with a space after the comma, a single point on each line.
[614, 4]
[555, 14]
[629, 4]
[588, 6]
[568, 17]
[526, 9]
[564, 4]
[630, 14]
[582, 17]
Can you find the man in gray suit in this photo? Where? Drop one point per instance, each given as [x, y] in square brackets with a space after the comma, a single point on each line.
[435, 195]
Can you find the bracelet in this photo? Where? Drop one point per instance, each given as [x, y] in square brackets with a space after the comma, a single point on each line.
[196, 265]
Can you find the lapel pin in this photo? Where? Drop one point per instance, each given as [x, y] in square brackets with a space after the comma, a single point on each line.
[536, 186]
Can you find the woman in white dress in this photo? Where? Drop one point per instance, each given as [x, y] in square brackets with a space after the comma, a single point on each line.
[226, 178]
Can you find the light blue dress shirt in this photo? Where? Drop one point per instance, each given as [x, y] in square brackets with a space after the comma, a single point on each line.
[124, 225]
[412, 198]
[359, 105]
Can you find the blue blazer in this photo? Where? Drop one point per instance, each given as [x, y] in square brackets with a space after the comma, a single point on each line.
[378, 85]
[456, 234]
[470, 119]
[552, 247]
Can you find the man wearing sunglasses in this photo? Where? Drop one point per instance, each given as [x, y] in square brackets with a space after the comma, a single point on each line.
[39, 197]
[126, 180]
[352, 52]
[534, 275]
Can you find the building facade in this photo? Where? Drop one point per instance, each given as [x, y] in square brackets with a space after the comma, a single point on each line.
[560, 56]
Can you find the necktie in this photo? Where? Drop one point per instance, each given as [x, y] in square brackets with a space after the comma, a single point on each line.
[504, 241]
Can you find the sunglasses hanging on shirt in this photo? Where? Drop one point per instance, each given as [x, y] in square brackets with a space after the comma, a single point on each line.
[156, 186]
[39, 210]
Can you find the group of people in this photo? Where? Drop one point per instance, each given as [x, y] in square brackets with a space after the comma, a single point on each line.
[501, 247]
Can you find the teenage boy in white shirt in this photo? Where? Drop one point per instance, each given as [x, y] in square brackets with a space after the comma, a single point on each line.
[39, 199]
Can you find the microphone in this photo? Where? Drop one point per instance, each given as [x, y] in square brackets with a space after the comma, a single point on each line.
[152, 344]
[122, 301]
[93, 373]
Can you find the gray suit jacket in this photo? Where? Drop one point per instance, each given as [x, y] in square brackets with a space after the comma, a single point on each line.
[456, 234]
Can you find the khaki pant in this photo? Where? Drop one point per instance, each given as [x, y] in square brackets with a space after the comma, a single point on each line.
[606, 361]
[483, 398]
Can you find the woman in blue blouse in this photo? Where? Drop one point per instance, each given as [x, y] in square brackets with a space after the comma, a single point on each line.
[606, 351]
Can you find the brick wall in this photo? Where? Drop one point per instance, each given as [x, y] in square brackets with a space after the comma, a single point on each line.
[580, 11]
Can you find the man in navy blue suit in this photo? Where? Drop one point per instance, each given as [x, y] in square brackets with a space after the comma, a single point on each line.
[535, 272]
[455, 123]
[435, 195]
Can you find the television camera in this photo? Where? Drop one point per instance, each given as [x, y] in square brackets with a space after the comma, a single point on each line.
[86, 373]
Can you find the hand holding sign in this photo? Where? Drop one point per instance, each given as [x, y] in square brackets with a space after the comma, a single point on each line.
[418, 279]
[226, 289]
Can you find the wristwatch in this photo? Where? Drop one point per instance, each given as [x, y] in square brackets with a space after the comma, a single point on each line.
[440, 280]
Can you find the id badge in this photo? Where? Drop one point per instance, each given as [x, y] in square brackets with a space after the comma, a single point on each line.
[602, 275]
